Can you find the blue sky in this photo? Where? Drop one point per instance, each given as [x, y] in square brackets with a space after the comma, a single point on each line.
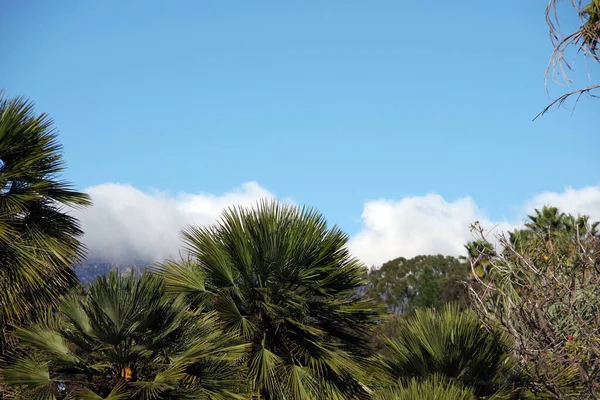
[331, 103]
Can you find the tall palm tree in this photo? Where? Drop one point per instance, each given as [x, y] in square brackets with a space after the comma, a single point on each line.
[38, 238]
[450, 343]
[125, 339]
[278, 276]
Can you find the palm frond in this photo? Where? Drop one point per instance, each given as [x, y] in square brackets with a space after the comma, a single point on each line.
[435, 387]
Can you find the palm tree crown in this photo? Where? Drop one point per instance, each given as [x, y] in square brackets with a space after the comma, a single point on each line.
[450, 343]
[38, 239]
[280, 278]
[125, 339]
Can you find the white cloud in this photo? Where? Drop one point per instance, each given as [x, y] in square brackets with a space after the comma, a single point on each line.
[126, 224]
[432, 225]
[584, 201]
[416, 225]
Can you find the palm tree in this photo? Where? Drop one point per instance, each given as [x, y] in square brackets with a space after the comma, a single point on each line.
[38, 239]
[450, 343]
[550, 226]
[125, 339]
[278, 276]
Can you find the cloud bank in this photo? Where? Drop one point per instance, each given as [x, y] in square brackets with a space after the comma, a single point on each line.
[432, 225]
[127, 224]
[417, 225]
[584, 201]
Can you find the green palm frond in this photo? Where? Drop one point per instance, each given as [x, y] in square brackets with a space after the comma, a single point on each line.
[435, 387]
[265, 369]
[28, 372]
[118, 392]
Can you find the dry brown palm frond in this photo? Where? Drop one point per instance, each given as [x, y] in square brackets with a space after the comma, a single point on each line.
[585, 40]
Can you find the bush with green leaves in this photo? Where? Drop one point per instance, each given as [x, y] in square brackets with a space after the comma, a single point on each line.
[284, 281]
[125, 340]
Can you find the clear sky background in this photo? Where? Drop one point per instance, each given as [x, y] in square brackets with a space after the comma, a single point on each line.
[400, 121]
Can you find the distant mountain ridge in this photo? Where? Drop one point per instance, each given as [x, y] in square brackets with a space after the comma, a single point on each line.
[90, 270]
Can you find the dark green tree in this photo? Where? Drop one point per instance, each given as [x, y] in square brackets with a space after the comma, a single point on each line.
[423, 281]
[429, 290]
[125, 339]
[39, 242]
[285, 282]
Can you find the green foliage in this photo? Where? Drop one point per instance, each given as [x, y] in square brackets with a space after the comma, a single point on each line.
[451, 343]
[125, 339]
[38, 239]
[423, 281]
[279, 277]
[550, 225]
[435, 387]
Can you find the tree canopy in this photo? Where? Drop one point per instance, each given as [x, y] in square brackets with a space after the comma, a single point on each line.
[423, 281]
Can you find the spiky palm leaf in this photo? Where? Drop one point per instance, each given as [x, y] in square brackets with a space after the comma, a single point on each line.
[38, 239]
[452, 343]
[278, 276]
[125, 339]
